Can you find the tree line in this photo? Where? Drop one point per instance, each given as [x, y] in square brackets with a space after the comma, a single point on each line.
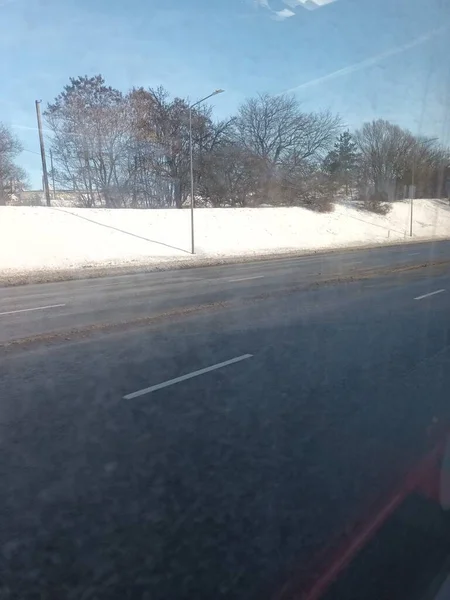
[131, 149]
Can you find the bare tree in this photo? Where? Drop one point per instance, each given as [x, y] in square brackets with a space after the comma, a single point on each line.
[386, 153]
[274, 127]
[426, 168]
[160, 125]
[161, 131]
[229, 175]
[285, 138]
[393, 158]
[90, 127]
[12, 177]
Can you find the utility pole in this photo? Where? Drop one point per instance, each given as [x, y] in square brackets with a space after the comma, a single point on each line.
[44, 163]
[53, 174]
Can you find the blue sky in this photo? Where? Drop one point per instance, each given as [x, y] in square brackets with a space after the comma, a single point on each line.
[361, 58]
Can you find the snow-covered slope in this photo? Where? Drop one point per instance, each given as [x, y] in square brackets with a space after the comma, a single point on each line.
[42, 238]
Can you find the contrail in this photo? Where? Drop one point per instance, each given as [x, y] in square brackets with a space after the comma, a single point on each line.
[17, 126]
[23, 127]
[369, 61]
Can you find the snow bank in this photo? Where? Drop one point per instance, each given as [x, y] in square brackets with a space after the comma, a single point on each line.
[39, 238]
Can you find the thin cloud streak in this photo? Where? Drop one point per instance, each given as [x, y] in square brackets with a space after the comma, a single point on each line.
[281, 15]
[276, 15]
[286, 13]
[369, 62]
[308, 4]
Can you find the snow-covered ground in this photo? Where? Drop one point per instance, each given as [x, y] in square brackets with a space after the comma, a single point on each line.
[39, 238]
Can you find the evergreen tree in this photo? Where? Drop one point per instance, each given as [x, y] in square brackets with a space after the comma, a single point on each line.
[342, 162]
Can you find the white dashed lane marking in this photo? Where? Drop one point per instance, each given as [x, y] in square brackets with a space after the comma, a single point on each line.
[246, 278]
[170, 382]
[22, 310]
[428, 295]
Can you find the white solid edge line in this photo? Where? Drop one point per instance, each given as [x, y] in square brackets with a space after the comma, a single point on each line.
[246, 278]
[170, 382]
[430, 294]
[22, 310]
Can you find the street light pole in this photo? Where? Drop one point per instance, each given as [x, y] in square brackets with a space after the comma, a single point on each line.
[191, 156]
[413, 193]
[192, 181]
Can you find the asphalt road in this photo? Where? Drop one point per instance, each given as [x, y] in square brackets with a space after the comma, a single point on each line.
[27, 311]
[225, 481]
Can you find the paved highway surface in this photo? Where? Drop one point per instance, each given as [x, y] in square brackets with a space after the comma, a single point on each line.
[211, 452]
[36, 309]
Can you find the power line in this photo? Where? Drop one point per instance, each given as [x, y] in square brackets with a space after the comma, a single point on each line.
[32, 151]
